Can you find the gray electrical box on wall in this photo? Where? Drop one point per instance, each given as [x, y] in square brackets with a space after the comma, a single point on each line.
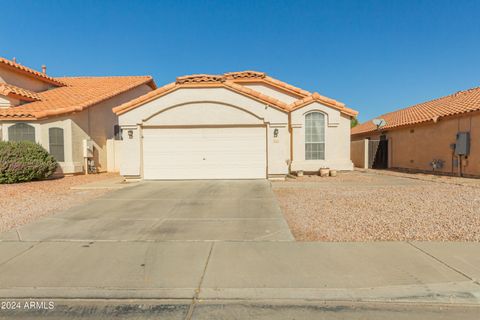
[462, 145]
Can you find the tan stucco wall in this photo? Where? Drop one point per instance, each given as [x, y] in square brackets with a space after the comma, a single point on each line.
[204, 106]
[416, 150]
[131, 151]
[96, 122]
[22, 81]
[337, 139]
[200, 113]
[42, 137]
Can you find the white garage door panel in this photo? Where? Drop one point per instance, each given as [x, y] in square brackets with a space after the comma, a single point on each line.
[204, 153]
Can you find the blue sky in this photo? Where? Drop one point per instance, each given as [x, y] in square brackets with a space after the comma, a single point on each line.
[375, 56]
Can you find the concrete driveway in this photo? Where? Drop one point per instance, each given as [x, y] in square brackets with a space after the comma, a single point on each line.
[145, 242]
[174, 210]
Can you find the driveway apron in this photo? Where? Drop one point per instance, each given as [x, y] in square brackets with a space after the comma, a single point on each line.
[171, 210]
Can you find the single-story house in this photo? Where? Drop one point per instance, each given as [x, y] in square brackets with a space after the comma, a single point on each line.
[62, 113]
[440, 136]
[238, 125]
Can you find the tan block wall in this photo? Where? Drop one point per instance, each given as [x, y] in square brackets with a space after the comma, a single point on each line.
[359, 153]
[417, 146]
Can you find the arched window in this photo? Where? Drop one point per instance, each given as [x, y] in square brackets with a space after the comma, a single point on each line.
[56, 144]
[315, 136]
[21, 132]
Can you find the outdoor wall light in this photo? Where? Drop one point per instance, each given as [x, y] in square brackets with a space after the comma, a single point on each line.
[130, 134]
[275, 133]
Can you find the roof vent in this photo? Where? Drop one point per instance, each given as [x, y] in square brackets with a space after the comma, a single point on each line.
[44, 69]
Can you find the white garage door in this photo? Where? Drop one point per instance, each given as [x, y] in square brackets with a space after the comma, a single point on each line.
[204, 153]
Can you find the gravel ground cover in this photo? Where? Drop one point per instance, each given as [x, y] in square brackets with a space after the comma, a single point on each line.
[22, 203]
[368, 206]
[472, 182]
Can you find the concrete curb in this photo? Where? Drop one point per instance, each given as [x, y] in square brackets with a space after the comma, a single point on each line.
[447, 293]
[460, 293]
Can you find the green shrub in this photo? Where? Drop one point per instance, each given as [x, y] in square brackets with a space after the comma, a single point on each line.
[24, 161]
[353, 122]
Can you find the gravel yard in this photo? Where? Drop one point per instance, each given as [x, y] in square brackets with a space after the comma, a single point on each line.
[22, 203]
[367, 206]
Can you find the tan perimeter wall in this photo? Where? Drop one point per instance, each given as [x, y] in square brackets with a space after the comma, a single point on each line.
[417, 146]
[359, 153]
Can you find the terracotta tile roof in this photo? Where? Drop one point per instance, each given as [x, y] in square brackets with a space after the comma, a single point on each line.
[261, 77]
[18, 93]
[244, 77]
[149, 96]
[77, 95]
[206, 82]
[315, 97]
[257, 95]
[233, 81]
[286, 86]
[30, 72]
[457, 103]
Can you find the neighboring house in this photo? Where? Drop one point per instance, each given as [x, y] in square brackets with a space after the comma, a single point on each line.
[59, 113]
[441, 135]
[239, 125]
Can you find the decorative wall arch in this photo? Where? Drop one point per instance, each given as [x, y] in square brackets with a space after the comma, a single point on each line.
[202, 112]
[201, 102]
[316, 110]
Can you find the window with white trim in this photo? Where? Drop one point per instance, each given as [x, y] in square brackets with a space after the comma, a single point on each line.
[315, 136]
[21, 132]
[56, 143]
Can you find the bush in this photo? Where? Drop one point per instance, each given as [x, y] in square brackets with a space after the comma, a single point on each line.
[24, 161]
[353, 122]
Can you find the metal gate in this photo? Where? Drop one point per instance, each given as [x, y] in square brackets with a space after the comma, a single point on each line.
[378, 154]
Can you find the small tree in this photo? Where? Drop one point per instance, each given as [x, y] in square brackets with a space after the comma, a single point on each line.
[353, 122]
[24, 161]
